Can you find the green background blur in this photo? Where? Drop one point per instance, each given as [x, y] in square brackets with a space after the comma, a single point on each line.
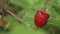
[27, 10]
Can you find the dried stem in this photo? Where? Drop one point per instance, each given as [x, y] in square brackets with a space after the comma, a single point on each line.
[17, 17]
[7, 3]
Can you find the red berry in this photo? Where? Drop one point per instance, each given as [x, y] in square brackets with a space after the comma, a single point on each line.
[4, 22]
[40, 18]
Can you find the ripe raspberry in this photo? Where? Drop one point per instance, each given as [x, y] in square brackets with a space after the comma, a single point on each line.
[40, 18]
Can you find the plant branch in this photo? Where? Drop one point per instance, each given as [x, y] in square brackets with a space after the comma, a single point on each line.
[17, 17]
[7, 2]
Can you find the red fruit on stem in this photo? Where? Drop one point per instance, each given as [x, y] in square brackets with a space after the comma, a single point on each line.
[40, 18]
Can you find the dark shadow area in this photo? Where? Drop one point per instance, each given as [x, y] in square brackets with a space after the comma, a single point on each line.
[2, 29]
[52, 29]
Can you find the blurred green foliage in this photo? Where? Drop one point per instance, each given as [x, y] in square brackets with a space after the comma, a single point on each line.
[30, 7]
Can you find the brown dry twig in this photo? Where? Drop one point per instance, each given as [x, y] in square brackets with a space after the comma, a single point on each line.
[17, 17]
[6, 2]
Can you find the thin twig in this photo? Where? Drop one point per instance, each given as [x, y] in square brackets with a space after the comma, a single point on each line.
[17, 17]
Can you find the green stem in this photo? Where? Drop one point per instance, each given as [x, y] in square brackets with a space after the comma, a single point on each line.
[44, 8]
